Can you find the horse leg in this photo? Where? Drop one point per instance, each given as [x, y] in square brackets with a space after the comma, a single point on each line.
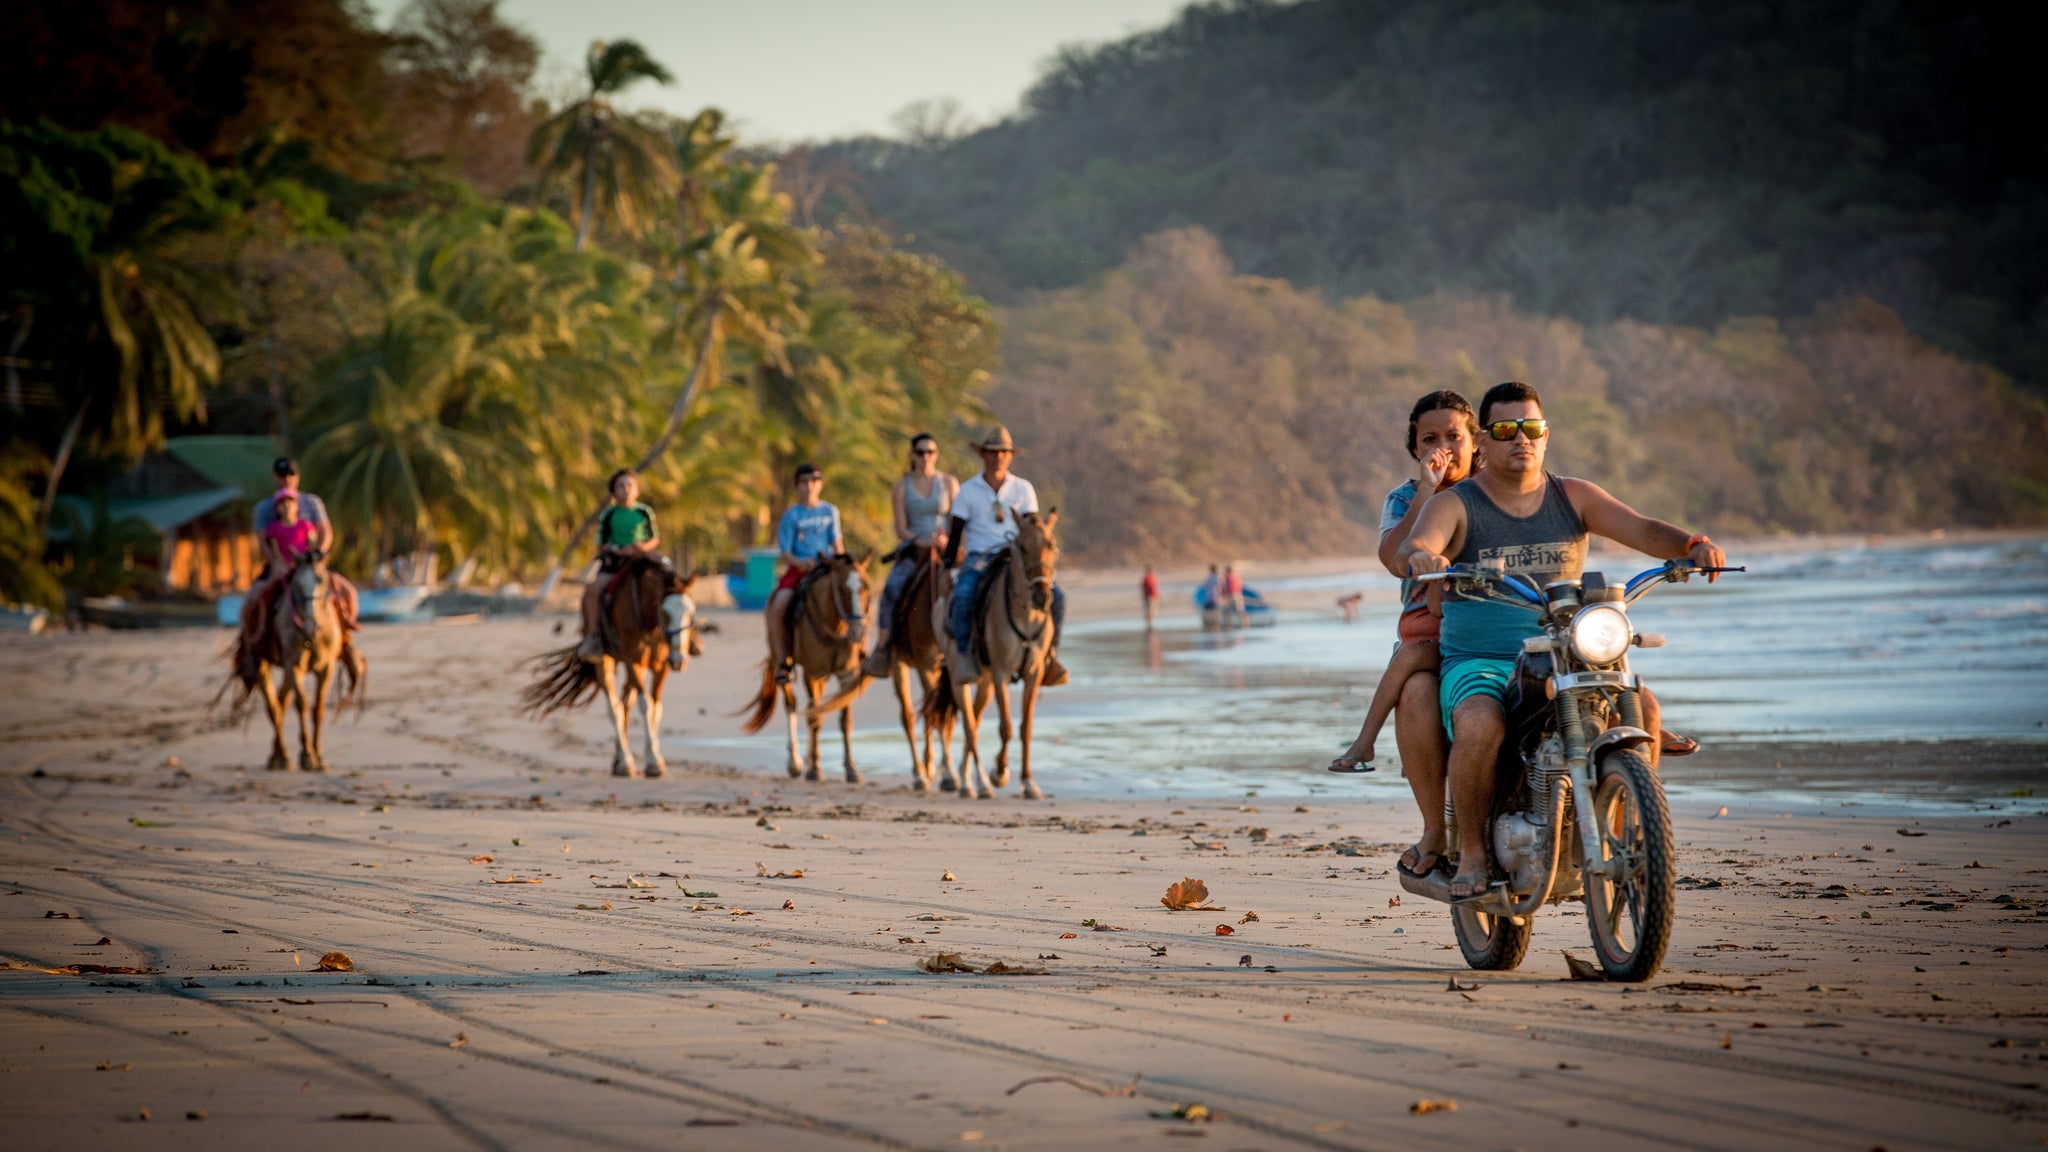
[814, 691]
[650, 714]
[314, 759]
[973, 780]
[298, 691]
[1029, 705]
[920, 766]
[846, 733]
[280, 760]
[622, 752]
[1002, 775]
[796, 763]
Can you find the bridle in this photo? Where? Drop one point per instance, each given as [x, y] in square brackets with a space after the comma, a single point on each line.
[842, 594]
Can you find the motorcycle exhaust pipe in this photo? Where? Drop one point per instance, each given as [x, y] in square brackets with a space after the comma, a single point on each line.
[1499, 902]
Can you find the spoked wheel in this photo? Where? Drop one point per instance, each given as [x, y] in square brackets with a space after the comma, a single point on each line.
[1629, 907]
[1489, 941]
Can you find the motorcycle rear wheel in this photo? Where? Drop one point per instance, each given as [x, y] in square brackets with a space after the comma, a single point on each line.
[1630, 915]
[1491, 943]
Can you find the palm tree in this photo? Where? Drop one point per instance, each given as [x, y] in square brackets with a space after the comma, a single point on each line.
[616, 159]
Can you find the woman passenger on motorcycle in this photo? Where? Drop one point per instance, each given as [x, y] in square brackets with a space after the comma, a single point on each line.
[919, 504]
[1442, 435]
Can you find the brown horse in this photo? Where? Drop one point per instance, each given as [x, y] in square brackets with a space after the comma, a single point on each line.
[304, 638]
[649, 625]
[827, 624]
[1016, 629]
[914, 651]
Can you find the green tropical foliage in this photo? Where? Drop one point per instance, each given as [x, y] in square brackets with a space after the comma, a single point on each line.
[614, 161]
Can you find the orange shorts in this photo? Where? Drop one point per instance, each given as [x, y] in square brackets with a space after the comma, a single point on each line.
[790, 577]
[1417, 625]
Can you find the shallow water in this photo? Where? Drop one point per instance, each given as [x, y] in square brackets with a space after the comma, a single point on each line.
[1891, 676]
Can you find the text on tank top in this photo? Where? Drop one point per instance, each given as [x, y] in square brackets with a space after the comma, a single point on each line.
[1547, 545]
[926, 514]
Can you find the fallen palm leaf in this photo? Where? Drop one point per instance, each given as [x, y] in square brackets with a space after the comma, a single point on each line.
[1425, 1107]
[696, 895]
[1130, 1089]
[1583, 969]
[1188, 895]
[335, 962]
[944, 962]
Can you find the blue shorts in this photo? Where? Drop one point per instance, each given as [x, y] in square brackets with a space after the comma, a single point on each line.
[1473, 676]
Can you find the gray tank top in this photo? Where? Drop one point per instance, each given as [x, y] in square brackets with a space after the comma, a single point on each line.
[1549, 544]
[926, 514]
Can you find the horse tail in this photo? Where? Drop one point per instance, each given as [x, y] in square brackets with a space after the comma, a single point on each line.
[939, 705]
[763, 704]
[843, 698]
[566, 681]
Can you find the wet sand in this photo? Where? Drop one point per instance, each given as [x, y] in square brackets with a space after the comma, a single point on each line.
[1833, 982]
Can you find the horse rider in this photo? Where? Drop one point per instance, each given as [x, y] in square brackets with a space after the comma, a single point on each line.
[624, 529]
[809, 529]
[919, 504]
[983, 523]
[262, 591]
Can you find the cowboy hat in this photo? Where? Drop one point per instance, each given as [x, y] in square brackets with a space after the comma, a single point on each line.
[996, 440]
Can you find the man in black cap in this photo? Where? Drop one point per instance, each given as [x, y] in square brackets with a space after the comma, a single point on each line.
[256, 602]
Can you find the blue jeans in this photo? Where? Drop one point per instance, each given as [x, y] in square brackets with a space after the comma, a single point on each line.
[968, 578]
[892, 590]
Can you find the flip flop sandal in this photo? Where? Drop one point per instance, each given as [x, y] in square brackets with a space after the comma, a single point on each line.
[1485, 885]
[1436, 861]
[1675, 745]
[1352, 764]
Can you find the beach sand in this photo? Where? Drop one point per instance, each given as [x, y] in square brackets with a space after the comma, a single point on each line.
[545, 956]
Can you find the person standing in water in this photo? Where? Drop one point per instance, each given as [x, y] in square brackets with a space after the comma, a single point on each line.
[1148, 588]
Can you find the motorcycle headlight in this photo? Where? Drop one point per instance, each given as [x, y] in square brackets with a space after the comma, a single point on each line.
[1600, 634]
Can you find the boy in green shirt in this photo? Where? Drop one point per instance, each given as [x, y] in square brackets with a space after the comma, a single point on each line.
[623, 529]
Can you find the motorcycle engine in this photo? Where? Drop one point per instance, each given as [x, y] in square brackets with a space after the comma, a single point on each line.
[1520, 838]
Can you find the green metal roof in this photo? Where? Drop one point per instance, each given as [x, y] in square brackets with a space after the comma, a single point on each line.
[241, 462]
[161, 513]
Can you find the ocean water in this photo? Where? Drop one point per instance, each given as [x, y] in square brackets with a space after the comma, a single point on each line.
[1888, 675]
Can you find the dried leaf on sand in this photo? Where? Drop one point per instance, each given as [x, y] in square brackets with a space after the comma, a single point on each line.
[1248, 918]
[1583, 969]
[484, 859]
[515, 880]
[947, 877]
[1001, 969]
[1225, 930]
[1190, 1113]
[761, 870]
[944, 962]
[335, 962]
[1425, 1107]
[604, 907]
[1189, 895]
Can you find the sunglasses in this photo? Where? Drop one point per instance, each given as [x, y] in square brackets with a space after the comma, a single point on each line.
[1534, 427]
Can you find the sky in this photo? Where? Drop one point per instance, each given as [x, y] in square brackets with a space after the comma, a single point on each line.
[787, 71]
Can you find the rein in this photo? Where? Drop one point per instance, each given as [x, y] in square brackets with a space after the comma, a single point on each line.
[846, 618]
[1010, 600]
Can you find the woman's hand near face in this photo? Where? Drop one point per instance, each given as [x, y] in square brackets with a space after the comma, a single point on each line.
[1434, 467]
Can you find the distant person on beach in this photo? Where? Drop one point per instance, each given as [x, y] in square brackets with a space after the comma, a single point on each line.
[1538, 523]
[1209, 598]
[809, 529]
[1443, 434]
[623, 529]
[1148, 588]
[1231, 606]
[1347, 606]
[919, 505]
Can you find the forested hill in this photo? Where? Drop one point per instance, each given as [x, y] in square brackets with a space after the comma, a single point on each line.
[1675, 162]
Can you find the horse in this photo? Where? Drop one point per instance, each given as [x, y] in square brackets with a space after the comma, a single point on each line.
[914, 651]
[1016, 629]
[827, 623]
[305, 637]
[649, 627]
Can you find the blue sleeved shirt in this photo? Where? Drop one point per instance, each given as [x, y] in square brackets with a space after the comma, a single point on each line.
[805, 532]
[1396, 509]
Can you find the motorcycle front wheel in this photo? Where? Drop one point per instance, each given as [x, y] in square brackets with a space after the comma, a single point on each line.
[1490, 942]
[1629, 908]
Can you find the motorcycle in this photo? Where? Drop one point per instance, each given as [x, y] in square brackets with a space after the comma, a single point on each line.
[1578, 812]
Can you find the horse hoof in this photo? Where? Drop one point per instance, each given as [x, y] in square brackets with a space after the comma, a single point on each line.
[814, 776]
[852, 774]
[625, 770]
[656, 771]
[795, 770]
[1001, 779]
[1031, 792]
[920, 784]
[279, 764]
[949, 785]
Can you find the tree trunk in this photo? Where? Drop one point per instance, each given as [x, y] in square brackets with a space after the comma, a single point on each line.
[587, 217]
[25, 318]
[707, 354]
[60, 461]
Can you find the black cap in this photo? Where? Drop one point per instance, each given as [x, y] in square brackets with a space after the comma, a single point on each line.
[284, 466]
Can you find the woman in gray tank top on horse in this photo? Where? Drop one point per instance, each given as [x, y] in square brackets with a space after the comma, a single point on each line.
[919, 504]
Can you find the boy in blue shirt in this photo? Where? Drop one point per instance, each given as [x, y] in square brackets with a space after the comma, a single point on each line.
[809, 529]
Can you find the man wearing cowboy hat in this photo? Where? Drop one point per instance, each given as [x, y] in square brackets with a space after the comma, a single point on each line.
[984, 521]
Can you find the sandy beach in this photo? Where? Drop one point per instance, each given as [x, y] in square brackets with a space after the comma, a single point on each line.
[543, 956]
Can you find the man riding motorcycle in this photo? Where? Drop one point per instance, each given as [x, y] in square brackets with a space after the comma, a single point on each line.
[1517, 514]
